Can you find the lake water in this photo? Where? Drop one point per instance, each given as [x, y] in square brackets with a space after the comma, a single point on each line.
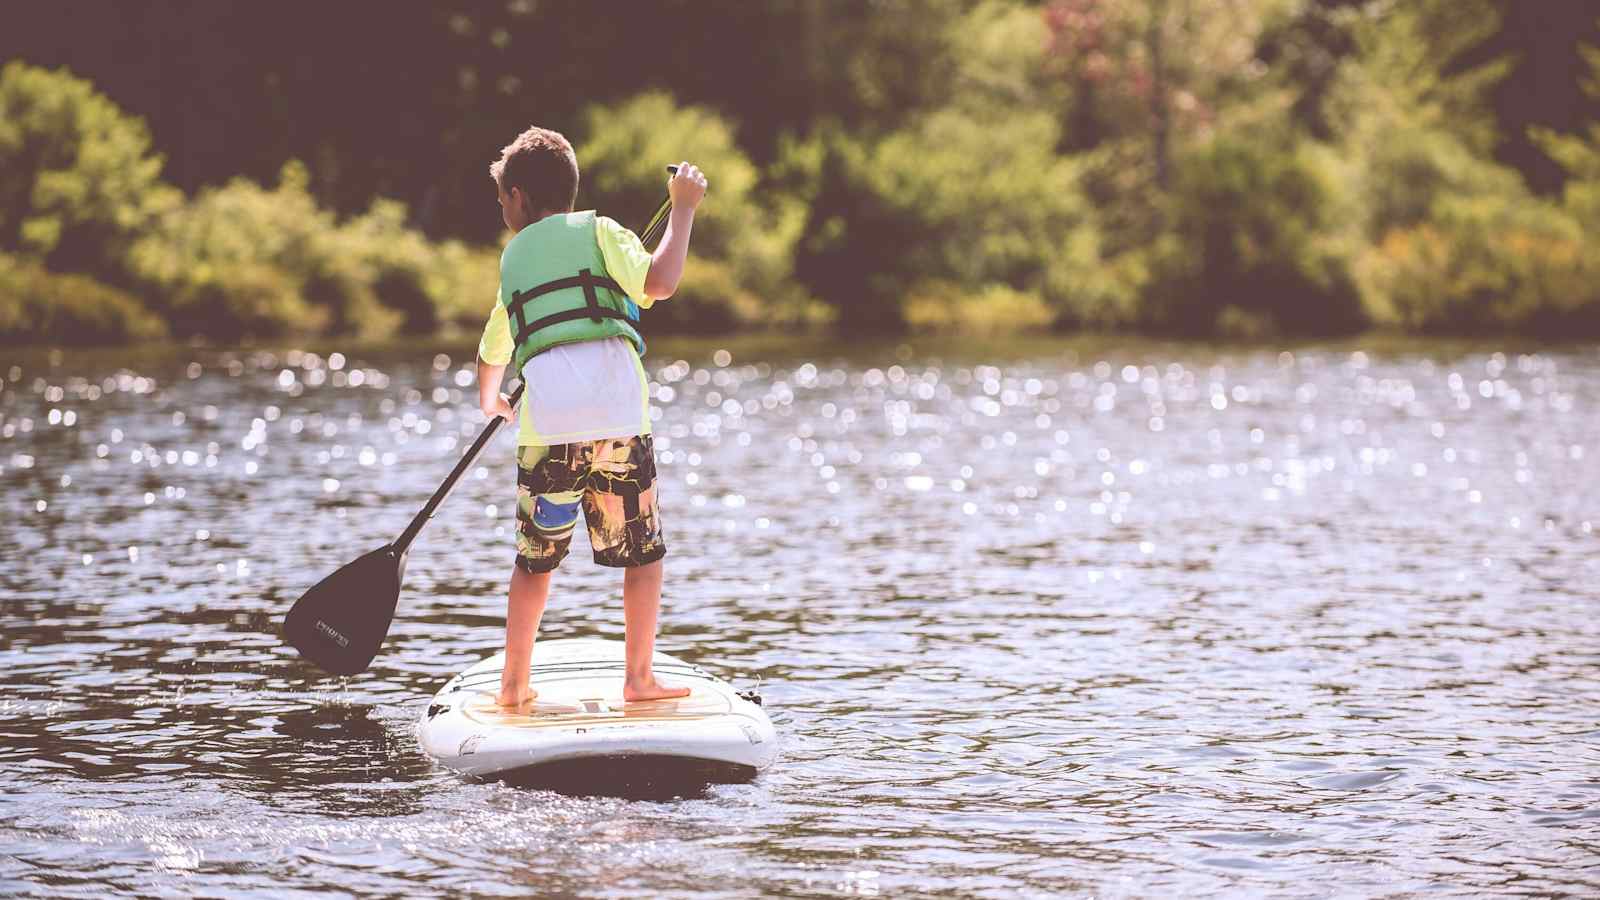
[1099, 617]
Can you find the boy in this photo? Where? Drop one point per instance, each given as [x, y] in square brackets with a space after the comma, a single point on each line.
[563, 316]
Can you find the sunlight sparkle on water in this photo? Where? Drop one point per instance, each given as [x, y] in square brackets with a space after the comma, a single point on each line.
[1090, 580]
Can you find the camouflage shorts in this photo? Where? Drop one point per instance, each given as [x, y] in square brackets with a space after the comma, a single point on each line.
[614, 480]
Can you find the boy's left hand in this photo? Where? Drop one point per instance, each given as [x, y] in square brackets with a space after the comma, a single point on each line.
[687, 186]
[501, 407]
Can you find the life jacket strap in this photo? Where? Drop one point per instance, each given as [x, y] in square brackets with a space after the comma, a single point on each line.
[591, 309]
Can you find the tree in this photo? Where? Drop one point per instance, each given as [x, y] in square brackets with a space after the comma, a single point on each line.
[77, 179]
[1153, 69]
[967, 199]
[1578, 154]
[1545, 45]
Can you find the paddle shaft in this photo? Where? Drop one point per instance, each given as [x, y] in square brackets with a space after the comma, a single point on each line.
[658, 222]
[403, 543]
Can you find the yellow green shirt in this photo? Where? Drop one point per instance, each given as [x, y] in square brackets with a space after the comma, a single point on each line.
[590, 390]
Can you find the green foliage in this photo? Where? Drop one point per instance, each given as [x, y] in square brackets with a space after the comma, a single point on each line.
[1000, 63]
[1410, 112]
[37, 306]
[1413, 68]
[429, 284]
[1579, 156]
[1413, 169]
[970, 197]
[462, 281]
[1454, 242]
[849, 217]
[1239, 167]
[77, 179]
[950, 205]
[242, 260]
[879, 64]
[1479, 254]
[1258, 232]
[943, 307]
[1157, 73]
[744, 234]
[1488, 264]
[710, 300]
[990, 205]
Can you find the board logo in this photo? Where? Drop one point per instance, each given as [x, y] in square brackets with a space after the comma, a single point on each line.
[328, 630]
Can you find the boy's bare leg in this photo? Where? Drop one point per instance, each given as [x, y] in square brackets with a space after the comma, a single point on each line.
[529, 591]
[641, 606]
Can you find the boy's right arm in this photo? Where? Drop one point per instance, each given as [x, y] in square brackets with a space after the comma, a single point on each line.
[494, 351]
[490, 399]
[687, 188]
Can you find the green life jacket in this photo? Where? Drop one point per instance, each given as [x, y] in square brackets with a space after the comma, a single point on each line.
[554, 287]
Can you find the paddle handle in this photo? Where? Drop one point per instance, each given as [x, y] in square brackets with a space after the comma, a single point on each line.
[403, 543]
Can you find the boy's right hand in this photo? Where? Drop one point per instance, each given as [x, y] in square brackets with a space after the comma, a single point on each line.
[501, 407]
[687, 187]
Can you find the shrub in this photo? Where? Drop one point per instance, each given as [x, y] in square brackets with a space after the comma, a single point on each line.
[79, 189]
[37, 306]
[244, 260]
[77, 179]
[1487, 264]
[420, 286]
[389, 261]
[462, 281]
[936, 306]
[242, 301]
[236, 261]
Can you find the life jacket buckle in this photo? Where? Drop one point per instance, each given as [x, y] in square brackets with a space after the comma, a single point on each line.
[587, 279]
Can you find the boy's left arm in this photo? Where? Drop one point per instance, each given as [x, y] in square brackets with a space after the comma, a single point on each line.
[687, 188]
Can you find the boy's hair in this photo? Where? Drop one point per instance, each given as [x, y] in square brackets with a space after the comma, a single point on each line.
[541, 162]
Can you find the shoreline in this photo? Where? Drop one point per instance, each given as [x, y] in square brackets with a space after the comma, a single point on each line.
[767, 344]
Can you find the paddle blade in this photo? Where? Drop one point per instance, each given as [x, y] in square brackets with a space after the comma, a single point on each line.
[341, 622]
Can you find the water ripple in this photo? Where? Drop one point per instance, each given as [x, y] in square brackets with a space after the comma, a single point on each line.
[1058, 617]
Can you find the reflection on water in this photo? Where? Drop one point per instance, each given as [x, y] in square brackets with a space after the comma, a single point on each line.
[1124, 619]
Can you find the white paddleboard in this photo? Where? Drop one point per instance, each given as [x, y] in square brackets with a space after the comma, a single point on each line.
[579, 714]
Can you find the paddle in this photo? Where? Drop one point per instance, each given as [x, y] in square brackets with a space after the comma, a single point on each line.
[658, 222]
[341, 622]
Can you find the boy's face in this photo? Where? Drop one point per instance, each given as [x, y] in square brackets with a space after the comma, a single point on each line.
[513, 208]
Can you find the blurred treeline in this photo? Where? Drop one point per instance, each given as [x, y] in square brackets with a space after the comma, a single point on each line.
[198, 168]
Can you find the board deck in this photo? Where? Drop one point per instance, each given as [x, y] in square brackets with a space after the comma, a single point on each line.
[579, 713]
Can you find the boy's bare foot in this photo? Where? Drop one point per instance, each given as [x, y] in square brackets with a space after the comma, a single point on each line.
[515, 702]
[650, 689]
